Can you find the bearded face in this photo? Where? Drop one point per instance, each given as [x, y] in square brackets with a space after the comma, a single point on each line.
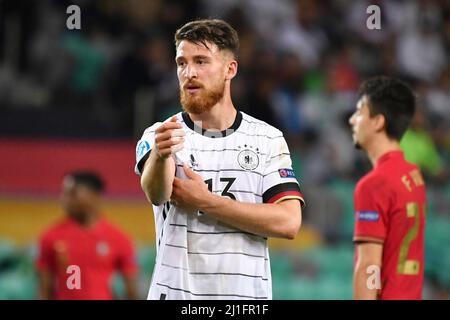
[201, 73]
[196, 98]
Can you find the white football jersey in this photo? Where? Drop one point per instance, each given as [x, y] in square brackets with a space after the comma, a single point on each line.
[198, 256]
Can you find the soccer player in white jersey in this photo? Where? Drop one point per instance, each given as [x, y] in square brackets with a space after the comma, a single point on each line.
[220, 181]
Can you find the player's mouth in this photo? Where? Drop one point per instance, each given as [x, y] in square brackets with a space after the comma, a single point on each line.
[192, 88]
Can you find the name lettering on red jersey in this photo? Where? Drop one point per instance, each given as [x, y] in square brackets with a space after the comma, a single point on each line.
[413, 176]
[417, 178]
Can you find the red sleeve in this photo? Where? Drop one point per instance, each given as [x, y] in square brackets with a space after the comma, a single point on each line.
[44, 259]
[126, 260]
[370, 210]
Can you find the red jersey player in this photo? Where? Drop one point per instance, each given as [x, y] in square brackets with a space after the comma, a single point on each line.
[389, 200]
[78, 256]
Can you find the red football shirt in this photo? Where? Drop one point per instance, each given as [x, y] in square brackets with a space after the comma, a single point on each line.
[98, 251]
[390, 209]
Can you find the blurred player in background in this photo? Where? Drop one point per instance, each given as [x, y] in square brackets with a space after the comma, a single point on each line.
[389, 200]
[84, 239]
[220, 181]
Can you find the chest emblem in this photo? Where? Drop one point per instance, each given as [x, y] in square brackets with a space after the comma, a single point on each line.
[248, 159]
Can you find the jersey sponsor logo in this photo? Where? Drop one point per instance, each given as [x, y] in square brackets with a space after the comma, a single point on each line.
[141, 149]
[248, 159]
[371, 216]
[286, 173]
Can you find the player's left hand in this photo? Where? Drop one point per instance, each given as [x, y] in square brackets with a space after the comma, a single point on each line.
[189, 194]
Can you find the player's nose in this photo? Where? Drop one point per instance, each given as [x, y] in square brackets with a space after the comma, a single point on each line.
[190, 72]
[351, 120]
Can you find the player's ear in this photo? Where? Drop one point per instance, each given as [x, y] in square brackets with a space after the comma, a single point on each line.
[380, 122]
[232, 67]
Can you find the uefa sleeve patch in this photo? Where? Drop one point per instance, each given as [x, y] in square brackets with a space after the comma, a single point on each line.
[370, 216]
[286, 173]
[142, 148]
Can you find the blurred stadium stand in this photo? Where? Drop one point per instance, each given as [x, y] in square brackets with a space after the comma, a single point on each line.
[81, 99]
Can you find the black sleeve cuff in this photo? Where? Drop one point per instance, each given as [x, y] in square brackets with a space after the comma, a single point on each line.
[279, 191]
[140, 164]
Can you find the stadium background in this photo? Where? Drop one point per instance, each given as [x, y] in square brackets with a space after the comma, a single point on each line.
[81, 99]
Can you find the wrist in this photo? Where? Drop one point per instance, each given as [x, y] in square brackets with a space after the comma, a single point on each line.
[158, 156]
[209, 202]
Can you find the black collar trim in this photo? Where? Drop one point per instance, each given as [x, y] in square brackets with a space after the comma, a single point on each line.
[212, 133]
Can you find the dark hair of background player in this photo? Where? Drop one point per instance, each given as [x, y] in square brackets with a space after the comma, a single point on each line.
[88, 179]
[394, 100]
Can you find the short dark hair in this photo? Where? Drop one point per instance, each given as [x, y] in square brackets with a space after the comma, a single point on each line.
[88, 179]
[393, 99]
[217, 31]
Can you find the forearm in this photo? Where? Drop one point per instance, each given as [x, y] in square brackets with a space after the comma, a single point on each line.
[157, 178]
[367, 272]
[361, 289]
[271, 220]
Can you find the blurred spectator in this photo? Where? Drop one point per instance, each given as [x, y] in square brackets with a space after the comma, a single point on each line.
[303, 35]
[147, 68]
[78, 256]
[286, 105]
[420, 149]
[343, 76]
[257, 95]
[437, 99]
[120, 62]
[88, 62]
[421, 51]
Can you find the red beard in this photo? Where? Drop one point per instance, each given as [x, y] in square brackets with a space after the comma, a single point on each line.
[202, 100]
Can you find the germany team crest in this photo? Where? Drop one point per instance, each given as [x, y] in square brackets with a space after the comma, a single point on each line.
[248, 159]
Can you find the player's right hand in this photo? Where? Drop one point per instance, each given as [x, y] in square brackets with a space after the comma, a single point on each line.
[169, 138]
